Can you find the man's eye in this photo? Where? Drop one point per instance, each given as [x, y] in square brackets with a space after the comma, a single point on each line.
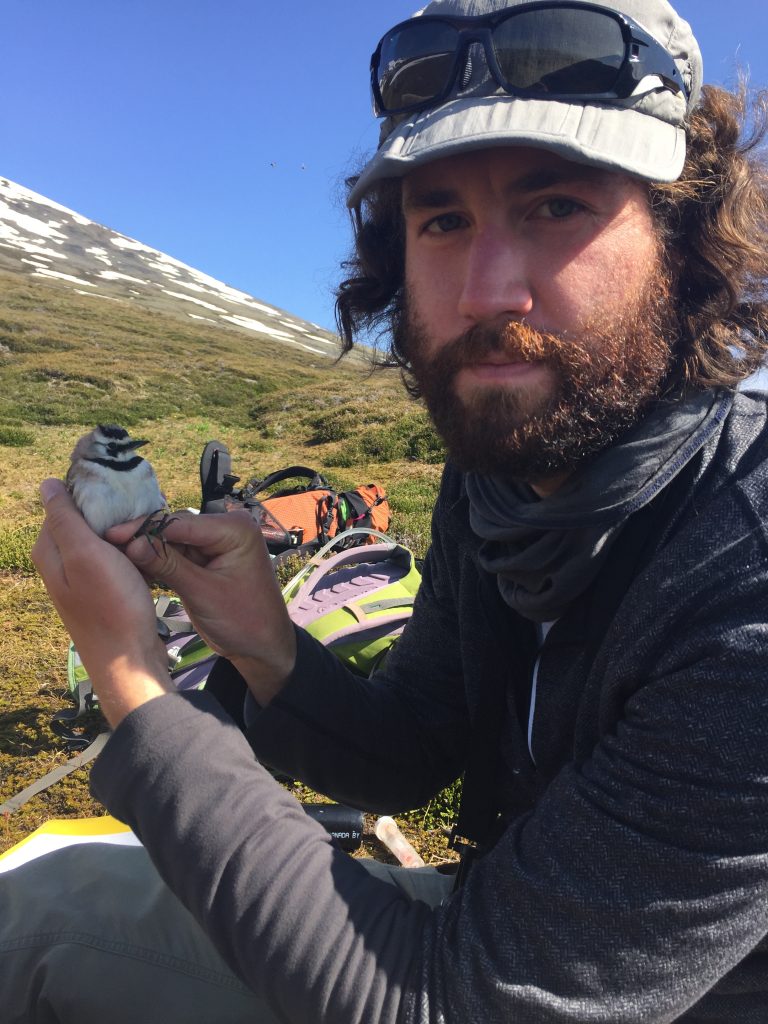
[444, 223]
[560, 208]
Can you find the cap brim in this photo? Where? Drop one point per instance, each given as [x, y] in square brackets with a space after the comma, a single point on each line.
[615, 138]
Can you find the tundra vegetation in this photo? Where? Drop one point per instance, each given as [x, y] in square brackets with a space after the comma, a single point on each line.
[68, 362]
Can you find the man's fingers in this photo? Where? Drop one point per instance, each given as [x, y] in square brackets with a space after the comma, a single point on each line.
[186, 529]
[160, 561]
[123, 533]
[64, 525]
[58, 505]
[50, 487]
[204, 538]
[45, 554]
[210, 533]
[64, 539]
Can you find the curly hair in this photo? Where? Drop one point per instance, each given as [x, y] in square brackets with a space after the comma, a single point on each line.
[713, 223]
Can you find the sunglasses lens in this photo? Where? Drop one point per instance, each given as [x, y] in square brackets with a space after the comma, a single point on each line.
[565, 51]
[415, 63]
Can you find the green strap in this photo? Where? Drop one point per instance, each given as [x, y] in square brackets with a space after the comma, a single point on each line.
[385, 603]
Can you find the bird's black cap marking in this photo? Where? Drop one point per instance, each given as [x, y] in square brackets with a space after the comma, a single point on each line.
[112, 430]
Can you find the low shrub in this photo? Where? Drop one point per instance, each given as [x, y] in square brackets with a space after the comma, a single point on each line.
[15, 549]
[441, 811]
[15, 437]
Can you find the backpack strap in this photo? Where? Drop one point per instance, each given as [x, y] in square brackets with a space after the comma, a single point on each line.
[317, 567]
[171, 613]
[326, 522]
[86, 700]
[393, 624]
[339, 541]
[59, 772]
[361, 513]
[315, 479]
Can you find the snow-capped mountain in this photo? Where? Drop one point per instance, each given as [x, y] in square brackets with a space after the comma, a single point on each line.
[50, 242]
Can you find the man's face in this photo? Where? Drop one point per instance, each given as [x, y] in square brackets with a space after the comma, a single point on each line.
[538, 321]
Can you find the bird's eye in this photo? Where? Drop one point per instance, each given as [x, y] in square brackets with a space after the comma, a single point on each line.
[112, 448]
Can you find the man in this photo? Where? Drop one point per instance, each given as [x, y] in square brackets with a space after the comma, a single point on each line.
[589, 640]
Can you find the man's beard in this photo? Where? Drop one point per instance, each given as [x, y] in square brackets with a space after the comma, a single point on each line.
[603, 378]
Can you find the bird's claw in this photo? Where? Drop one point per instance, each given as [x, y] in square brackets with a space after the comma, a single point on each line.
[153, 527]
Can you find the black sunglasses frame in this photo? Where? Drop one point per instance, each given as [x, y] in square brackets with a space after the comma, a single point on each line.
[643, 55]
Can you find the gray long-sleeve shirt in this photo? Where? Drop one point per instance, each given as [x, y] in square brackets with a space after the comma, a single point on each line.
[631, 881]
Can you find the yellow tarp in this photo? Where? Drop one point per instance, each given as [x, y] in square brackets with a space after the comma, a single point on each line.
[61, 832]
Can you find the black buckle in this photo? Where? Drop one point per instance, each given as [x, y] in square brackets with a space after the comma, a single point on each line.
[458, 842]
[468, 851]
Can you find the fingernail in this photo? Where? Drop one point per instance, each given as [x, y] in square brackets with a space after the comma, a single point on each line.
[50, 488]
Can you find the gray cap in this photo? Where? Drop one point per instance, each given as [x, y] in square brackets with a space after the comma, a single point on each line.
[643, 134]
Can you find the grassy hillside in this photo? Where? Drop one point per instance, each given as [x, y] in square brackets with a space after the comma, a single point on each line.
[70, 361]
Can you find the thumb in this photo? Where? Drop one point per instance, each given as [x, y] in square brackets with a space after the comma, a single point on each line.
[50, 488]
[61, 515]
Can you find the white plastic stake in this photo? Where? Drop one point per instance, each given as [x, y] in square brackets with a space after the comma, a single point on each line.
[388, 833]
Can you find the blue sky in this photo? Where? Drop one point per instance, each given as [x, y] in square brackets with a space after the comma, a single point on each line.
[220, 132]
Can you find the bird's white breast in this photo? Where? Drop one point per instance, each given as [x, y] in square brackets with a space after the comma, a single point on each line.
[107, 496]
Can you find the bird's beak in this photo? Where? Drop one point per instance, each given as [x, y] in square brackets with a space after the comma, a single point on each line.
[136, 444]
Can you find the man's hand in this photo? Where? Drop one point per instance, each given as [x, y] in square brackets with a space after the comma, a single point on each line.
[220, 568]
[104, 604]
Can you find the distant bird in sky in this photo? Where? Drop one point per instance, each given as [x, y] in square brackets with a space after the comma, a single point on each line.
[273, 163]
[110, 483]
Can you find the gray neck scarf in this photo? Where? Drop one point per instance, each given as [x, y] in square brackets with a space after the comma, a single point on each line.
[547, 551]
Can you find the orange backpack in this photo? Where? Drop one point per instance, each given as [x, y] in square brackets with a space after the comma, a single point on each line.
[297, 518]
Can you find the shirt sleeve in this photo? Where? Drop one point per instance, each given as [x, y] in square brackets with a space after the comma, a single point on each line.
[301, 922]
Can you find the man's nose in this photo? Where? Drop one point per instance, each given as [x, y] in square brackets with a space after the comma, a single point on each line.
[496, 278]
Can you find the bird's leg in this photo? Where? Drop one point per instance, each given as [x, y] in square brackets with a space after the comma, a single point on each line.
[152, 528]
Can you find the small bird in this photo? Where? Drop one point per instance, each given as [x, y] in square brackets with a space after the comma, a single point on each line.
[110, 483]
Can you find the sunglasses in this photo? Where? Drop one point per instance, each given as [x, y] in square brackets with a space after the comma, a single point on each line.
[558, 50]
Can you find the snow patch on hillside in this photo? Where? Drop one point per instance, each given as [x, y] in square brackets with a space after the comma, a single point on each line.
[36, 233]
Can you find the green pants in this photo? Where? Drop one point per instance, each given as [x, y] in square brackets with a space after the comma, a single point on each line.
[91, 935]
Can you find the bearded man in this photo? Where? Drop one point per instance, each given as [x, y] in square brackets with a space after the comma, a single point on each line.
[567, 239]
